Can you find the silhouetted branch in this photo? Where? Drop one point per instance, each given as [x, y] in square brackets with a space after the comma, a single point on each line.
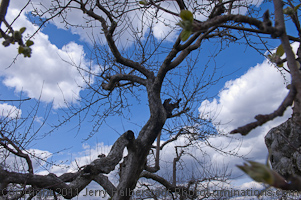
[261, 119]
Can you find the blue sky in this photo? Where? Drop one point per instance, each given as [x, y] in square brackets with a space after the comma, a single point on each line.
[252, 87]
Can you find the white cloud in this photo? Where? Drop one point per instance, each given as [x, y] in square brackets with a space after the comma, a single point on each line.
[9, 111]
[137, 20]
[165, 24]
[13, 162]
[259, 91]
[89, 154]
[50, 72]
[79, 159]
[251, 185]
[37, 153]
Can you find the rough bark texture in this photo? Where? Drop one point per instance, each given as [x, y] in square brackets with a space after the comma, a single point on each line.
[284, 143]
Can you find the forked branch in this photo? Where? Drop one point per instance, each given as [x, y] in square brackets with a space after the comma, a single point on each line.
[114, 81]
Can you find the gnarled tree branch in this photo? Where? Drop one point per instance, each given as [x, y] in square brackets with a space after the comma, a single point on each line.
[114, 80]
[78, 180]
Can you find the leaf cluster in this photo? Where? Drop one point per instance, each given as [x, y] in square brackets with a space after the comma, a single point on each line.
[186, 24]
[276, 57]
[17, 37]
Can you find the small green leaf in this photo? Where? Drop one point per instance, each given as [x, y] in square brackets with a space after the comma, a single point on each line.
[20, 49]
[143, 2]
[288, 86]
[297, 7]
[26, 52]
[29, 43]
[185, 34]
[288, 11]
[17, 35]
[22, 30]
[180, 23]
[280, 50]
[185, 24]
[280, 65]
[6, 43]
[258, 172]
[186, 15]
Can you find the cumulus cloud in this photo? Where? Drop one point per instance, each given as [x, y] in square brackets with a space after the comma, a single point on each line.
[253, 185]
[37, 153]
[79, 159]
[259, 91]
[12, 162]
[137, 20]
[51, 74]
[10, 111]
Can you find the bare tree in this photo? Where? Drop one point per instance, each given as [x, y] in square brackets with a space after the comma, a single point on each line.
[174, 83]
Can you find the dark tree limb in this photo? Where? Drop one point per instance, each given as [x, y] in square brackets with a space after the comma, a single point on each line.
[114, 80]
[291, 62]
[169, 107]
[219, 20]
[78, 180]
[105, 183]
[181, 4]
[3, 9]
[251, 30]
[157, 158]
